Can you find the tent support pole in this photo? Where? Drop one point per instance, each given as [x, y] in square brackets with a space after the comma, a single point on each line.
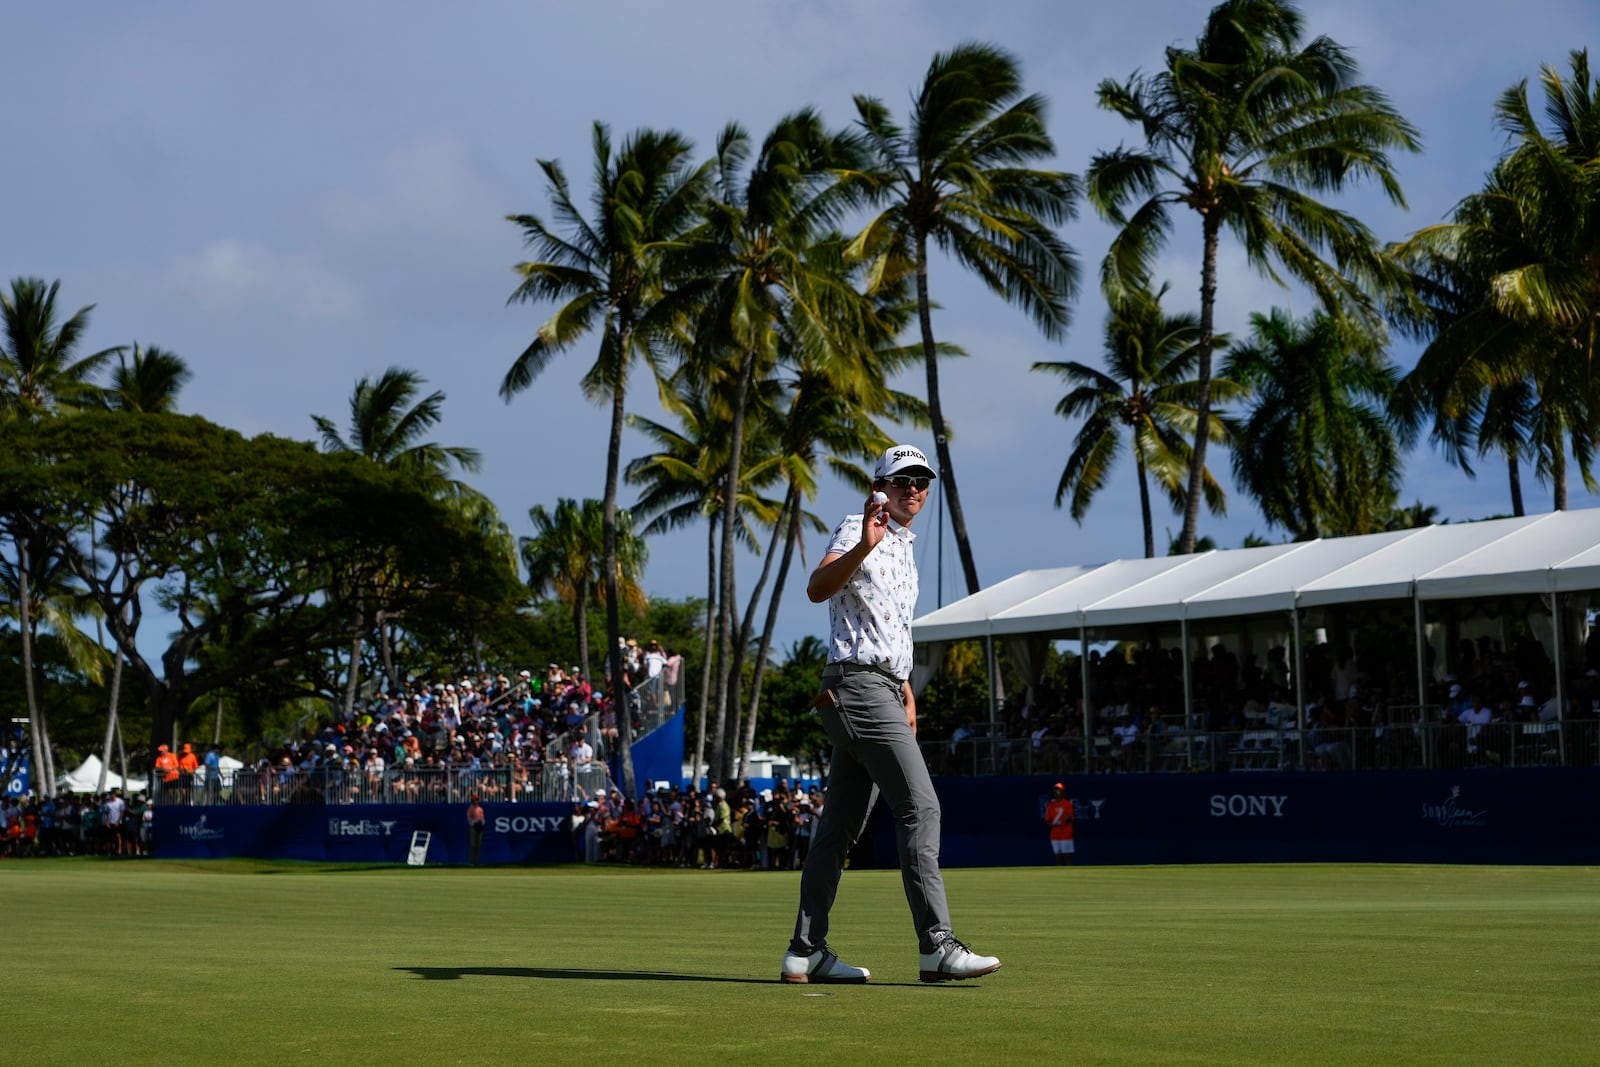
[994, 682]
[1188, 693]
[1083, 677]
[1299, 684]
[1422, 652]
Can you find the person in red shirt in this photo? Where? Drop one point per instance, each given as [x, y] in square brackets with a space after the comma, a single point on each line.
[1059, 814]
[474, 830]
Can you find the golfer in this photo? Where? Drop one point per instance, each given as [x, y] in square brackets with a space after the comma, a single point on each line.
[869, 579]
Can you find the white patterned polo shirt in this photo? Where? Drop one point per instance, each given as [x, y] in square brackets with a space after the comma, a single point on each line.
[870, 618]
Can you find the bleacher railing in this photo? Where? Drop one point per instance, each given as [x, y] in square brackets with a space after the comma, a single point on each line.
[558, 780]
[1402, 746]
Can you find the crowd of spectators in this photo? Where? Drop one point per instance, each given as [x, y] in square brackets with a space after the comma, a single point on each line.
[1495, 706]
[733, 827]
[523, 736]
[107, 824]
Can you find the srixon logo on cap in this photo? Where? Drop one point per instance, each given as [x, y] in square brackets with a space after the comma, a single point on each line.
[902, 453]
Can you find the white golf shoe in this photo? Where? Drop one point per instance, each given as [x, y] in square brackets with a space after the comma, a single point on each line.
[951, 960]
[820, 966]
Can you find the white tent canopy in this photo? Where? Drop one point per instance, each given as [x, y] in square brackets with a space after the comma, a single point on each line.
[1530, 556]
[85, 778]
[1557, 552]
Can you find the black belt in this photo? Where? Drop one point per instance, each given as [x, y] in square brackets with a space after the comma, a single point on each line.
[843, 667]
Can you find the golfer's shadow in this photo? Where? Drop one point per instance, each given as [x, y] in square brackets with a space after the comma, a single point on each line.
[451, 974]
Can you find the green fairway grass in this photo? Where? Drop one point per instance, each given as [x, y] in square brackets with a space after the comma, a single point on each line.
[152, 962]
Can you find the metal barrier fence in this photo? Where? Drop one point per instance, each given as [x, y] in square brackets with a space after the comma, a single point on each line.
[556, 781]
[1405, 746]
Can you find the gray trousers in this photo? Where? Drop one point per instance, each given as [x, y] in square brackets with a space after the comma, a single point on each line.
[873, 750]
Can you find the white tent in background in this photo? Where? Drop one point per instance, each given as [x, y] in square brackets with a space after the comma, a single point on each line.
[85, 778]
[1550, 560]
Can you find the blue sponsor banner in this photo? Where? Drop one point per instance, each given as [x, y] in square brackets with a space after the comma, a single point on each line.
[1533, 816]
[363, 833]
[657, 756]
[16, 779]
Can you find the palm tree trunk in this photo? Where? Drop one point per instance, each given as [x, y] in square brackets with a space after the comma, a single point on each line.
[608, 527]
[941, 444]
[730, 496]
[710, 649]
[1558, 472]
[352, 679]
[1144, 503]
[791, 538]
[49, 752]
[111, 721]
[1514, 471]
[745, 629]
[44, 784]
[1211, 227]
[613, 613]
[386, 650]
[580, 624]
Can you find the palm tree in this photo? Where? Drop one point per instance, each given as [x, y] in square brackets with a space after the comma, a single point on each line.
[958, 177]
[1509, 293]
[40, 370]
[40, 373]
[386, 421]
[829, 419]
[609, 271]
[685, 480]
[1244, 129]
[150, 381]
[566, 556]
[769, 279]
[1149, 390]
[1315, 448]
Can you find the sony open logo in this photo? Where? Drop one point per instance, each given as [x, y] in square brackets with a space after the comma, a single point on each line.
[360, 827]
[1242, 805]
[529, 824]
[199, 831]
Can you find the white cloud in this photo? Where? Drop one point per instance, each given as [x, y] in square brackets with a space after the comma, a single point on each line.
[228, 277]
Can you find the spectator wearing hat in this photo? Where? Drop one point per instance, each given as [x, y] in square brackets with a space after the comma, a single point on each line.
[188, 764]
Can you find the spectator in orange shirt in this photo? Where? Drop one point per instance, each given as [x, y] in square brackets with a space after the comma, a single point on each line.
[1059, 815]
[166, 763]
[188, 764]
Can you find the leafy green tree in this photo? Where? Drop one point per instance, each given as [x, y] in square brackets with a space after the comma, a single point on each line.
[958, 176]
[790, 726]
[1315, 448]
[148, 382]
[252, 546]
[1144, 400]
[1245, 129]
[387, 421]
[566, 556]
[610, 271]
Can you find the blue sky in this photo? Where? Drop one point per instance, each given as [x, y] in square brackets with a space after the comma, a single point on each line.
[294, 195]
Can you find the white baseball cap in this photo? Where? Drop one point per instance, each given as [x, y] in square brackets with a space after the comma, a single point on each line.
[902, 459]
